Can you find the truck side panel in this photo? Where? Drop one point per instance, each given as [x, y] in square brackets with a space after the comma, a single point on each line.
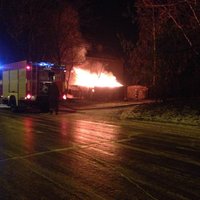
[5, 84]
[14, 81]
[22, 83]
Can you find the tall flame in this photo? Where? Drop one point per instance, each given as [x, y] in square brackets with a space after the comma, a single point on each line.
[87, 79]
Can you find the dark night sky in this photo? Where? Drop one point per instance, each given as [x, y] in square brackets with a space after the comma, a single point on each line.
[5, 44]
[9, 51]
[105, 20]
[109, 21]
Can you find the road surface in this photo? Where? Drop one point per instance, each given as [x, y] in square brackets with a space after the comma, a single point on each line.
[74, 156]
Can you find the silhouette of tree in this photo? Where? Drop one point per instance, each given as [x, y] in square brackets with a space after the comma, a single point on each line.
[44, 29]
[166, 55]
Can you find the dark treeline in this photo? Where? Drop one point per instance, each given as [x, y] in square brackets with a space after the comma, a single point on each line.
[43, 29]
[166, 56]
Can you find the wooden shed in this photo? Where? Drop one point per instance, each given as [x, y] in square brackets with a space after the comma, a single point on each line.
[137, 92]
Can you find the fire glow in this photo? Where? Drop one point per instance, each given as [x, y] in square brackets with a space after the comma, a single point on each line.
[87, 79]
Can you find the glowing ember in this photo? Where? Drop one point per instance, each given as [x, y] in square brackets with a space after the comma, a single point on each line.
[87, 79]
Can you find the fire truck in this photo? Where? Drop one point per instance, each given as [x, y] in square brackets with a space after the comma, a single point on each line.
[26, 83]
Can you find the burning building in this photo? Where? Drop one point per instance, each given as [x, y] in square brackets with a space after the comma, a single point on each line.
[96, 79]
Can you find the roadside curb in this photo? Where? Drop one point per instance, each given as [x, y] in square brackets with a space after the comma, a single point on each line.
[104, 106]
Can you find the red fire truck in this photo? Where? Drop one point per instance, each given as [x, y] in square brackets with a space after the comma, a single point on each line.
[26, 83]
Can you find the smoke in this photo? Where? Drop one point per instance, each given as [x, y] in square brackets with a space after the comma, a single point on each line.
[80, 55]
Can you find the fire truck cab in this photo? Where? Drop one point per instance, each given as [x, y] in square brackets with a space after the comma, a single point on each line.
[26, 83]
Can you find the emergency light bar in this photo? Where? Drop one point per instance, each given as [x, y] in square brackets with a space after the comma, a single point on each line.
[48, 65]
[43, 64]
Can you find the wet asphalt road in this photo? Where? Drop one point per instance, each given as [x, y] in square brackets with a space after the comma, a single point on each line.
[75, 156]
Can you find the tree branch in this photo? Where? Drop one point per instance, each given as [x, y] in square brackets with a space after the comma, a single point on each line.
[182, 30]
[194, 13]
[150, 4]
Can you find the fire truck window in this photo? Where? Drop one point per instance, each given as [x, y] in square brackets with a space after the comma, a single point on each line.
[44, 88]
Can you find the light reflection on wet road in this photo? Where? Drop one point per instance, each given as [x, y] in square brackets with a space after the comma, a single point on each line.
[70, 156]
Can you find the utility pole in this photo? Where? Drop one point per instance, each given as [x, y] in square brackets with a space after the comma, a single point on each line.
[154, 49]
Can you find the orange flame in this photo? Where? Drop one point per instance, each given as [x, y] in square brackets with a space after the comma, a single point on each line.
[87, 79]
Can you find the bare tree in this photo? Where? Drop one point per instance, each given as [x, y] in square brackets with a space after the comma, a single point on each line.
[44, 29]
[66, 46]
[168, 42]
